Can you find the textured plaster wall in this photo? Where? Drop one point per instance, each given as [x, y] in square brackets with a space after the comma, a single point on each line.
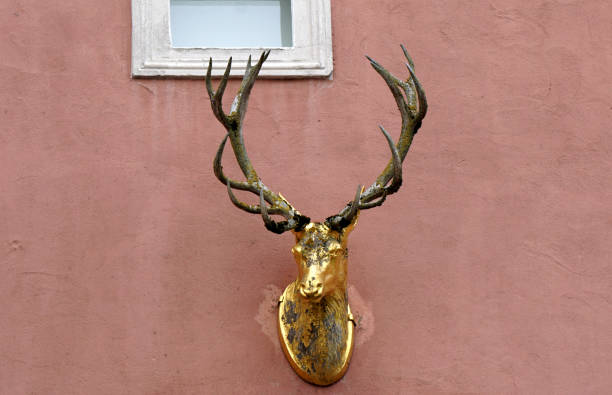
[124, 268]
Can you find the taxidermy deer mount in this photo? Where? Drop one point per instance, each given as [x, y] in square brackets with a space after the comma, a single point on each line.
[314, 320]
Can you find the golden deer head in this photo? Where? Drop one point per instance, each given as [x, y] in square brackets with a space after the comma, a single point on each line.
[315, 322]
[321, 257]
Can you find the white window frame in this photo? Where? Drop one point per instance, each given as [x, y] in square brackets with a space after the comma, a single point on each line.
[154, 56]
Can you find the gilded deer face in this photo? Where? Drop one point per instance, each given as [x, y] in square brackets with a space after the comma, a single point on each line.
[321, 256]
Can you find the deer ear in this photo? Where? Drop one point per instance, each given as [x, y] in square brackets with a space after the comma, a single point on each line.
[298, 235]
[348, 229]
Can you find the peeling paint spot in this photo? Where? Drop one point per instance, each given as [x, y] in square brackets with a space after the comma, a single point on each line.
[364, 316]
[267, 314]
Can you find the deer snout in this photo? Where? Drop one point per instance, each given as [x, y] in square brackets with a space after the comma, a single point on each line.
[311, 291]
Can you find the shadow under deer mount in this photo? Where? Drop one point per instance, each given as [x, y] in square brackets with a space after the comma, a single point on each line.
[314, 319]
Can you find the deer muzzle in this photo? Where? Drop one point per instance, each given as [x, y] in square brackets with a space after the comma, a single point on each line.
[310, 290]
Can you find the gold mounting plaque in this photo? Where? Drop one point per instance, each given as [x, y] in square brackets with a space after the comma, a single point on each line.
[311, 355]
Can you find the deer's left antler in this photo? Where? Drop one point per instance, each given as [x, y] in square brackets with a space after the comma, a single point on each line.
[410, 98]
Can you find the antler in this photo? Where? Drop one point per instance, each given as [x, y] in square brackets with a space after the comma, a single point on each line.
[233, 124]
[410, 98]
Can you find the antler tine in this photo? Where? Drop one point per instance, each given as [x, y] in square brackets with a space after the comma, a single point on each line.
[397, 164]
[243, 206]
[216, 98]
[242, 98]
[412, 104]
[379, 202]
[233, 124]
[348, 218]
[420, 96]
[271, 225]
[250, 208]
[407, 55]
[208, 79]
[218, 170]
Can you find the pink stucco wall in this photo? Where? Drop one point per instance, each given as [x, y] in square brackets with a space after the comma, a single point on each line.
[124, 268]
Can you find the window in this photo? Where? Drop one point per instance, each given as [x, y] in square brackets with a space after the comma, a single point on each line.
[177, 37]
[203, 23]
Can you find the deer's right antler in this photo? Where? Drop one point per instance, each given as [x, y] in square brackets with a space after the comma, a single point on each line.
[233, 124]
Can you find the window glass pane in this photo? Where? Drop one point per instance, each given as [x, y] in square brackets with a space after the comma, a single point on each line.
[230, 23]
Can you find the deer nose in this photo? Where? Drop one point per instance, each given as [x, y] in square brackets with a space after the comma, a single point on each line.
[311, 292]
